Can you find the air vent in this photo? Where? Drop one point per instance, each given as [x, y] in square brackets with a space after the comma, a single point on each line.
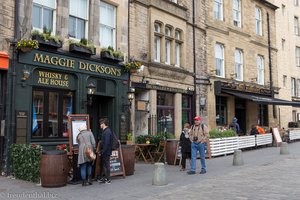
[101, 86]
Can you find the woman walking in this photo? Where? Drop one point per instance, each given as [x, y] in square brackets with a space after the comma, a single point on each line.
[85, 139]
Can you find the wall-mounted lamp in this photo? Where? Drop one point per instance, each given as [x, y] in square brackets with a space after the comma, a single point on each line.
[91, 88]
[130, 97]
[26, 74]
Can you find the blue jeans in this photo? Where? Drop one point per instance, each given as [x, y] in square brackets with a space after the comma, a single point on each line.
[201, 148]
[87, 166]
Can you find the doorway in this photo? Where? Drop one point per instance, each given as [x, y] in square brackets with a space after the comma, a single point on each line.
[102, 106]
[240, 114]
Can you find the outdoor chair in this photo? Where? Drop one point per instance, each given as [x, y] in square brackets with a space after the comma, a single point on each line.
[160, 151]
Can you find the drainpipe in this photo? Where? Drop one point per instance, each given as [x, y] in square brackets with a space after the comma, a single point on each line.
[194, 64]
[270, 63]
[10, 96]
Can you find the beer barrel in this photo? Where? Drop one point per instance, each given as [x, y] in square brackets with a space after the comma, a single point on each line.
[54, 168]
[128, 158]
[171, 151]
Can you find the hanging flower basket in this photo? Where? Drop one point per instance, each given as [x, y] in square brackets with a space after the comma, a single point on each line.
[26, 45]
[132, 66]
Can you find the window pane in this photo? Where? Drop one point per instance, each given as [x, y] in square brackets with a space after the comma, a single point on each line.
[165, 120]
[72, 26]
[165, 99]
[67, 110]
[37, 16]
[47, 19]
[80, 28]
[53, 115]
[221, 111]
[37, 114]
[168, 52]
[177, 54]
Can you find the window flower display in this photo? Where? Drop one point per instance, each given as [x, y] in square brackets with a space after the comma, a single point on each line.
[26, 45]
[132, 65]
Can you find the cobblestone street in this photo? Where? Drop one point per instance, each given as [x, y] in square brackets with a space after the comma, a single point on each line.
[265, 175]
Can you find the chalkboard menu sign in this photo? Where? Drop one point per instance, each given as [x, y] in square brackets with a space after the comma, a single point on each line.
[116, 162]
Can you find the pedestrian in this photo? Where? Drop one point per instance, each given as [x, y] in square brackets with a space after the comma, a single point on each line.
[254, 130]
[185, 144]
[105, 151]
[199, 138]
[85, 139]
[235, 126]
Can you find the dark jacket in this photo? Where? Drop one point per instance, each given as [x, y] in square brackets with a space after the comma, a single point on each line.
[106, 142]
[185, 143]
[254, 131]
[235, 126]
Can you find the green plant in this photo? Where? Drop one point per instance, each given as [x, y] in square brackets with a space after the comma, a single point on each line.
[118, 54]
[83, 43]
[215, 133]
[129, 136]
[109, 50]
[27, 43]
[26, 161]
[46, 35]
[132, 64]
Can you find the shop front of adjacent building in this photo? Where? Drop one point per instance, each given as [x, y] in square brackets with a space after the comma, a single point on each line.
[51, 86]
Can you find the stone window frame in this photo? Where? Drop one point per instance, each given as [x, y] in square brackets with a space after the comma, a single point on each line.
[160, 34]
[237, 74]
[258, 21]
[238, 11]
[43, 6]
[86, 22]
[222, 59]
[260, 69]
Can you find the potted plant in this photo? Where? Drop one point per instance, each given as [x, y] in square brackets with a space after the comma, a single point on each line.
[26, 45]
[46, 39]
[132, 66]
[118, 56]
[107, 53]
[82, 47]
[129, 139]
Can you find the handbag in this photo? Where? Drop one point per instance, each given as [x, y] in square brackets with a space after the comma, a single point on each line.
[89, 152]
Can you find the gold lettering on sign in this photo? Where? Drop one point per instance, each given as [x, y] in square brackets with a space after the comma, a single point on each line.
[69, 63]
[52, 78]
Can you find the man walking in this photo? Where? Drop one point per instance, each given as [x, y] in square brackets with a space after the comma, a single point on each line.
[105, 152]
[199, 138]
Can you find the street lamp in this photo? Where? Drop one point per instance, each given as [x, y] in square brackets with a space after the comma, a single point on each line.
[130, 95]
[91, 88]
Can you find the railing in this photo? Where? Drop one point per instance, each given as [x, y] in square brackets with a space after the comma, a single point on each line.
[224, 146]
[294, 134]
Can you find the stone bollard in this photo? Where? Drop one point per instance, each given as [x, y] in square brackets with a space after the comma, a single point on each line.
[237, 158]
[284, 148]
[159, 175]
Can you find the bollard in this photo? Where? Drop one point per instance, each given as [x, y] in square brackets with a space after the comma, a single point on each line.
[237, 158]
[284, 148]
[159, 175]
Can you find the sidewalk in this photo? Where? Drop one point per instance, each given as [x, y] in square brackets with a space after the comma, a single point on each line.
[265, 175]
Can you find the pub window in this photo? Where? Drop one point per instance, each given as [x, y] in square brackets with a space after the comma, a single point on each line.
[237, 13]
[263, 115]
[43, 13]
[258, 21]
[165, 112]
[186, 109]
[218, 9]
[178, 45]
[219, 56]
[221, 111]
[107, 25]
[168, 45]
[50, 110]
[78, 18]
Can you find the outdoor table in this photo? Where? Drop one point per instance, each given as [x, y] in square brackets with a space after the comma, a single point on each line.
[143, 150]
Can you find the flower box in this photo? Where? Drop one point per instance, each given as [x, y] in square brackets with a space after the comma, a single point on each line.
[51, 43]
[82, 50]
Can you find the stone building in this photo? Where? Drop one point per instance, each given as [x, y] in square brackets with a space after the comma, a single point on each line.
[241, 63]
[47, 84]
[6, 36]
[164, 35]
[288, 58]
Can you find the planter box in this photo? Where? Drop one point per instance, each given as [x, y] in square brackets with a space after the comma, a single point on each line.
[246, 141]
[81, 50]
[264, 139]
[223, 146]
[46, 44]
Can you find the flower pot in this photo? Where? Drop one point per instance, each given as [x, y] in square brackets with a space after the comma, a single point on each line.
[132, 71]
[106, 55]
[25, 49]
